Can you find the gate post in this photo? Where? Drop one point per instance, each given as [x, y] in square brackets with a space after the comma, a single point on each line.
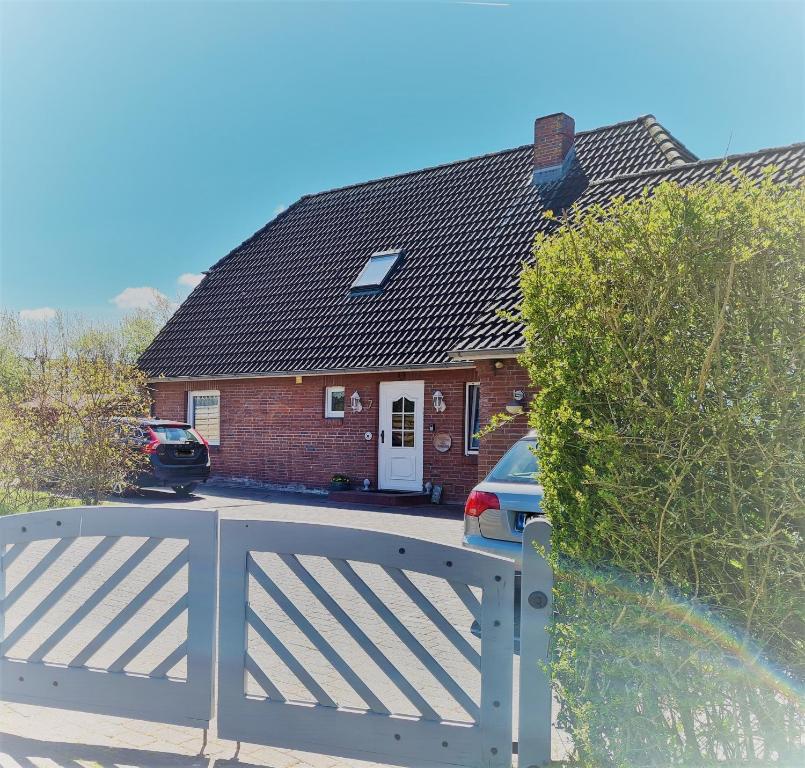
[536, 610]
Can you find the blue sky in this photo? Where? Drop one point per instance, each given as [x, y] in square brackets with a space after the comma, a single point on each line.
[142, 141]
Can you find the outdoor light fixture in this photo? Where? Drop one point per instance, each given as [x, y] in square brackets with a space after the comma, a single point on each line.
[438, 402]
[498, 364]
[515, 406]
[355, 402]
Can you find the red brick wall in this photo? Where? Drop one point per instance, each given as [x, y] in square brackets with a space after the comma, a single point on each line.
[274, 430]
[497, 386]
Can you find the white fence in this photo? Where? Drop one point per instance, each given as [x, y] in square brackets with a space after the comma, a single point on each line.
[536, 609]
[329, 639]
[315, 598]
[110, 610]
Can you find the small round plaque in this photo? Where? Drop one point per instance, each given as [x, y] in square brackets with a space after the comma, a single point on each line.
[442, 442]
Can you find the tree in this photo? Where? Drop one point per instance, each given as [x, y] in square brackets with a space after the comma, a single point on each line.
[63, 425]
[126, 340]
[664, 337]
[12, 364]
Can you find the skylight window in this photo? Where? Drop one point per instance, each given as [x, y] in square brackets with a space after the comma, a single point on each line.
[376, 272]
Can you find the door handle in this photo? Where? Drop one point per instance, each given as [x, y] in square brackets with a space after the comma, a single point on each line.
[382, 436]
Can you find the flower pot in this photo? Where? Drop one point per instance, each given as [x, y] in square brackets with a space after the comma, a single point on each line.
[339, 485]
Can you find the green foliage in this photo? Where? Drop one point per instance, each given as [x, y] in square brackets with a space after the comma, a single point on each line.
[12, 365]
[123, 342]
[60, 431]
[664, 336]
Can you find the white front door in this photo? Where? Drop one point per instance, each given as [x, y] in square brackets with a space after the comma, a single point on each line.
[400, 445]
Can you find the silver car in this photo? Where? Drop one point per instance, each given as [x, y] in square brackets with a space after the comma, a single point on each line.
[499, 507]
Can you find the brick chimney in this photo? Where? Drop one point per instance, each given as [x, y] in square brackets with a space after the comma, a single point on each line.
[553, 147]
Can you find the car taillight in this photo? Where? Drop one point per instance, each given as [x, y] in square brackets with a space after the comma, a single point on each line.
[153, 443]
[479, 501]
[199, 436]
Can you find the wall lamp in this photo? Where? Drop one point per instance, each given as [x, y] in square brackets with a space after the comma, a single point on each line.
[515, 406]
[438, 402]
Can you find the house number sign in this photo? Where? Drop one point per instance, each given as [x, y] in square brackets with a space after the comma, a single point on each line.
[442, 442]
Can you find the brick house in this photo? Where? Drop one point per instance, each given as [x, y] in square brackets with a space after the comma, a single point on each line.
[358, 331]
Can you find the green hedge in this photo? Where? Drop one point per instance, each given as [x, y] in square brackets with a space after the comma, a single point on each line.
[664, 336]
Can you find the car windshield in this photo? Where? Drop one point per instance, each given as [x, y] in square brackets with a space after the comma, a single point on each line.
[173, 434]
[518, 465]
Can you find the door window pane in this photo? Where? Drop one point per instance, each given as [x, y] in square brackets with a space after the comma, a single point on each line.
[403, 423]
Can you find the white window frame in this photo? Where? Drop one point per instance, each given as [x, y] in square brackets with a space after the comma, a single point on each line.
[191, 415]
[468, 451]
[329, 413]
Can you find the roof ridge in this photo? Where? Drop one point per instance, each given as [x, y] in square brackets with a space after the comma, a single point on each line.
[697, 163]
[470, 159]
[669, 145]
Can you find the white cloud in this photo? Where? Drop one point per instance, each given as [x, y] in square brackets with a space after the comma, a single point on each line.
[40, 314]
[281, 208]
[189, 279]
[144, 297]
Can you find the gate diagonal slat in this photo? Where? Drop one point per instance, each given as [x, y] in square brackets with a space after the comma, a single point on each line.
[162, 669]
[435, 615]
[253, 668]
[357, 634]
[335, 583]
[462, 698]
[162, 578]
[145, 549]
[287, 658]
[312, 634]
[465, 595]
[150, 634]
[53, 554]
[48, 602]
[12, 554]
[119, 540]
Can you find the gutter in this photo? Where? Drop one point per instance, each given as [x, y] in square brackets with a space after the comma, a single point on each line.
[457, 365]
[486, 353]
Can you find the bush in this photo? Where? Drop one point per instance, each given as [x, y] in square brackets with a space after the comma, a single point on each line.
[664, 336]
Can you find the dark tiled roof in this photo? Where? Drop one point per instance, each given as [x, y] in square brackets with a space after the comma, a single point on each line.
[280, 302]
[495, 332]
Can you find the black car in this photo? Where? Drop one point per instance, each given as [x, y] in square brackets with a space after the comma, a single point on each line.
[179, 456]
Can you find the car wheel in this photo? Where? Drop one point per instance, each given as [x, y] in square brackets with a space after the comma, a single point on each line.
[184, 490]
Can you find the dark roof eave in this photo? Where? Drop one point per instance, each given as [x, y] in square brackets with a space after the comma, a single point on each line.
[317, 372]
[485, 353]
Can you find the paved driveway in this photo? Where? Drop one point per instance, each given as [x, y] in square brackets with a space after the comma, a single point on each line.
[34, 736]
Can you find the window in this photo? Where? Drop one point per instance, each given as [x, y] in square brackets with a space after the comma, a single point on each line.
[376, 272]
[334, 402]
[518, 465]
[173, 434]
[403, 429]
[204, 414]
[472, 418]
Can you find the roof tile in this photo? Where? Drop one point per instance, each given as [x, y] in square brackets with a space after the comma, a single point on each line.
[280, 302]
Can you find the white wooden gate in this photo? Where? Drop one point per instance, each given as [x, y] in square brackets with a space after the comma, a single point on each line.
[304, 662]
[129, 627]
[536, 611]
